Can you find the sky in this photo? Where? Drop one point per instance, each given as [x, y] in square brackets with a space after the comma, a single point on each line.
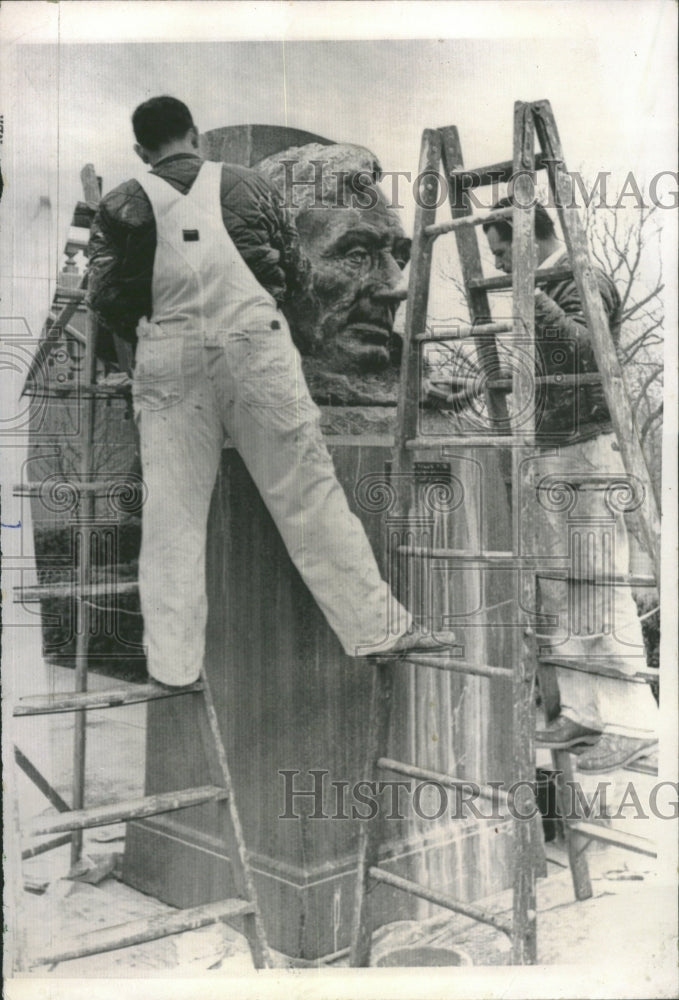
[77, 70]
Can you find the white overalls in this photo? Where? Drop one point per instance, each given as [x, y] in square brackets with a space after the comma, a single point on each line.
[217, 358]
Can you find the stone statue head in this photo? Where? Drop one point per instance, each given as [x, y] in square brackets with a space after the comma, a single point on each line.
[357, 249]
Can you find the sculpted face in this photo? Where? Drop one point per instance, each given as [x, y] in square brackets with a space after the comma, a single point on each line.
[357, 256]
[357, 250]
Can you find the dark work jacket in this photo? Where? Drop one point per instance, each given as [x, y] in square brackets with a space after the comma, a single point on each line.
[122, 244]
[570, 414]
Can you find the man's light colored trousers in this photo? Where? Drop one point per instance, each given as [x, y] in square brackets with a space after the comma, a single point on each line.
[596, 623]
[190, 391]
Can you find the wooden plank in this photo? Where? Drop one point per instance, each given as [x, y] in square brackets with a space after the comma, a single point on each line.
[118, 812]
[605, 353]
[40, 591]
[441, 899]
[495, 173]
[425, 774]
[588, 667]
[504, 281]
[139, 931]
[44, 848]
[441, 662]
[616, 579]
[524, 938]
[629, 841]
[463, 332]
[49, 704]
[440, 228]
[78, 390]
[40, 781]
[461, 441]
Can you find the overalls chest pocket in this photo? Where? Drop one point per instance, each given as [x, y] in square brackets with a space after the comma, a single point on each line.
[159, 370]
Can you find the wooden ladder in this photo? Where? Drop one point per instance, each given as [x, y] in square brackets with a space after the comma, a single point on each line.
[71, 820]
[441, 150]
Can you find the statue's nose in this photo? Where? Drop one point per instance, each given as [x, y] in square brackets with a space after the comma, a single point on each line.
[394, 285]
[387, 294]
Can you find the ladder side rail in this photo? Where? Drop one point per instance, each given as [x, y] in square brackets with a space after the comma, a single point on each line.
[526, 846]
[607, 360]
[231, 829]
[371, 830]
[83, 613]
[576, 844]
[407, 412]
[477, 298]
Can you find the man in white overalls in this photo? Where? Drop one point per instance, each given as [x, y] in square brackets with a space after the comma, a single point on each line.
[215, 358]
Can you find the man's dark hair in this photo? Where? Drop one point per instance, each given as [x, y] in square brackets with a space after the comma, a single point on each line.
[160, 120]
[544, 227]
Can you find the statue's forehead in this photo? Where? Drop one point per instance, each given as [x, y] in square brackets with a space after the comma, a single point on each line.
[330, 224]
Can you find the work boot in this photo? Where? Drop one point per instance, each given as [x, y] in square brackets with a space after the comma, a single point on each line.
[416, 640]
[612, 752]
[562, 733]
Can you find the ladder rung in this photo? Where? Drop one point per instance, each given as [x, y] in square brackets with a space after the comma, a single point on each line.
[440, 898]
[644, 765]
[639, 677]
[119, 812]
[507, 558]
[501, 558]
[70, 294]
[463, 332]
[150, 929]
[439, 662]
[618, 579]
[494, 173]
[78, 701]
[413, 771]
[37, 489]
[465, 441]
[502, 281]
[40, 592]
[630, 841]
[78, 389]
[440, 228]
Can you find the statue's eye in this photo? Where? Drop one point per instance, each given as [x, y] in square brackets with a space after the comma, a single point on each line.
[358, 257]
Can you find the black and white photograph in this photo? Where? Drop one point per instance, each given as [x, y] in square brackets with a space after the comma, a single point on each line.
[339, 497]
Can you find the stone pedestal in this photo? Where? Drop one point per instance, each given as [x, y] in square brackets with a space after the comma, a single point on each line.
[291, 701]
